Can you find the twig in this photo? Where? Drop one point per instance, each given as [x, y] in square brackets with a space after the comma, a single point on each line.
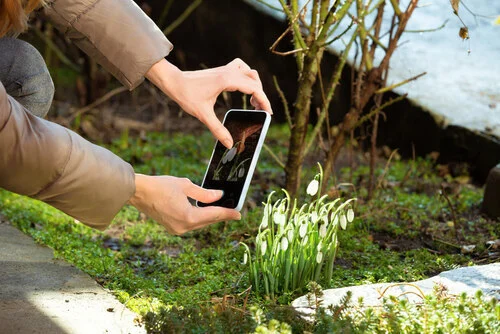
[404, 82]
[182, 17]
[386, 169]
[284, 101]
[164, 12]
[55, 49]
[303, 47]
[269, 5]
[422, 295]
[97, 102]
[376, 110]
[453, 215]
[429, 30]
[274, 156]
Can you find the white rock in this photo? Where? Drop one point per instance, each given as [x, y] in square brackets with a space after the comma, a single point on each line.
[456, 282]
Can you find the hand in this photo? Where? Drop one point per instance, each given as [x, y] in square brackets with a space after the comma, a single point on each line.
[197, 91]
[165, 199]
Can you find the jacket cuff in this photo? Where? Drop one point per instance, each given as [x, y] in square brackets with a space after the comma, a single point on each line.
[116, 33]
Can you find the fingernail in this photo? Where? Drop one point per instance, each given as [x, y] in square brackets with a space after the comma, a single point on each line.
[218, 193]
[228, 142]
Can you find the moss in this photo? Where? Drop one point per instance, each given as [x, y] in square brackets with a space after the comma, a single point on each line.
[400, 235]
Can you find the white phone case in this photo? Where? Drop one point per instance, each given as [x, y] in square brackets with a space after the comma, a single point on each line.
[255, 156]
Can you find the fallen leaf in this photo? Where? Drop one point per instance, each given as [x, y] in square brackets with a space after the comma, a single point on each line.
[454, 5]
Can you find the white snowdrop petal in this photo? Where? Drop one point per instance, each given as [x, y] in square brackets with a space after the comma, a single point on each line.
[284, 244]
[263, 248]
[245, 258]
[335, 220]
[314, 216]
[279, 218]
[319, 257]
[302, 230]
[343, 222]
[322, 230]
[231, 154]
[312, 188]
[264, 223]
[290, 235]
[350, 215]
[305, 240]
[241, 172]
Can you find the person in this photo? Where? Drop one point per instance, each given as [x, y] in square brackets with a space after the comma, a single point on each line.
[50, 163]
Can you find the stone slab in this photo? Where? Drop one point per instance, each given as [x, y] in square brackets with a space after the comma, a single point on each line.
[456, 282]
[39, 294]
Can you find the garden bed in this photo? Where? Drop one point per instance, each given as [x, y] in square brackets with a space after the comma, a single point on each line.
[417, 224]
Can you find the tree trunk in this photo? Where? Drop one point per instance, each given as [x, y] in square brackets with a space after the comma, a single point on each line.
[302, 111]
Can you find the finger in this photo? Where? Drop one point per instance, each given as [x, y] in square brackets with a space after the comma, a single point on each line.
[218, 130]
[201, 194]
[249, 86]
[201, 217]
[255, 103]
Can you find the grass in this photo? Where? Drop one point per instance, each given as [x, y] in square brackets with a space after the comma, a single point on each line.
[406, 233]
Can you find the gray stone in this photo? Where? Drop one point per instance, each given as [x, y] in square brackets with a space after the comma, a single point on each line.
[455, 282]
[491, 200]
[41, 295]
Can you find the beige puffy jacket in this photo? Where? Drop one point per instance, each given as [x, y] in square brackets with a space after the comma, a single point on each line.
[48, 162]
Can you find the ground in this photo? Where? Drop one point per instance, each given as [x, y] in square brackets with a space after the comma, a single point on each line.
[415, 226]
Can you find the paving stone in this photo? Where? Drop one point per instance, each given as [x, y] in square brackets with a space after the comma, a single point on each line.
[491, 200]
[39, 294]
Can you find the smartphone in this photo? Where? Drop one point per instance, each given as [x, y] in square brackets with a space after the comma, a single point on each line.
[231, 170]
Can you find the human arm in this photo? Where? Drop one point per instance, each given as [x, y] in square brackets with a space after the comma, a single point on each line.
[116, 33]
[48, 162]
[130, 46]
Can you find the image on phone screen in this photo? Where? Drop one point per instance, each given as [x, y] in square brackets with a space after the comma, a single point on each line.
[231, 169]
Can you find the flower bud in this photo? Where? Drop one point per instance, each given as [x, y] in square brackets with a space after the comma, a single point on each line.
[350, 215]
[312, 188]
[284, 244]
[343, 221]
[319, 257]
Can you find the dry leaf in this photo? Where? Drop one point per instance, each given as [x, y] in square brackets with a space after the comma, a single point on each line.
[454, 5]
[464, 33]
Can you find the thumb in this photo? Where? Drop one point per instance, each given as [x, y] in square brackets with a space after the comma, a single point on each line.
[218, 130]
[201, 194]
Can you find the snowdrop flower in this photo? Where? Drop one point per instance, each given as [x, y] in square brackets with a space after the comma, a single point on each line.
[312, 188]
[320, 244]
[229, 155]
[263, 247]
[284, 244]
[350, 215]
[322, 230]
[319, 257]
[314, 216]
[304, 241]
[265, 218]
[325, 220]
[335, 220]
[279, 218]
[343, 222]
[302, 230]
[241, 172]
[290, 235]
[245, 258]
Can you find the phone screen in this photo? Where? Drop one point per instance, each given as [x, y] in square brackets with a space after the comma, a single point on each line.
[229, 168]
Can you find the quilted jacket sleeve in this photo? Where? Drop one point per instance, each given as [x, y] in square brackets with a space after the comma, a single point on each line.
[48, 162]
[116, 33]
